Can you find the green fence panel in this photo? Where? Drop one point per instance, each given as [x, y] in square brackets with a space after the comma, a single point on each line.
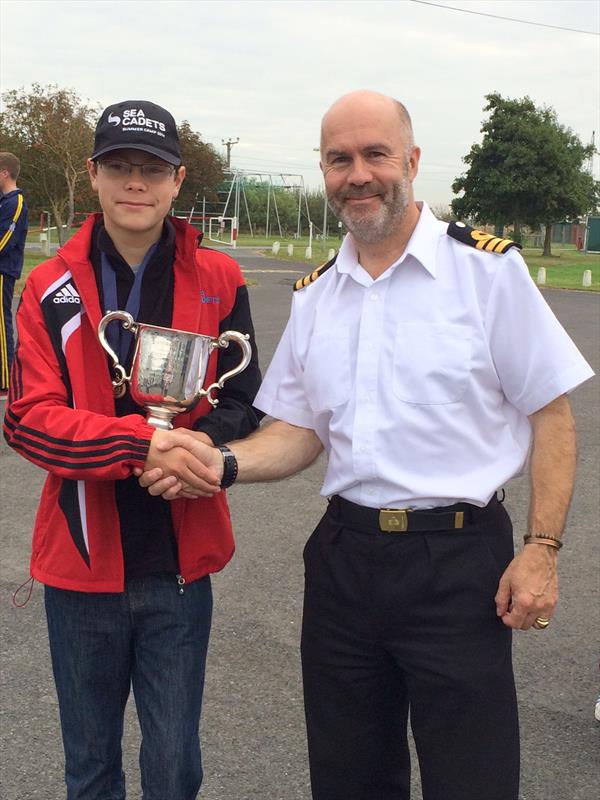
[593, 235]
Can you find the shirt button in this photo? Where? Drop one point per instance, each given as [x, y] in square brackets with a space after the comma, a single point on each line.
[374, 296]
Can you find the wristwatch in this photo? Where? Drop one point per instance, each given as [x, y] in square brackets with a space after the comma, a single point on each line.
[230, 467]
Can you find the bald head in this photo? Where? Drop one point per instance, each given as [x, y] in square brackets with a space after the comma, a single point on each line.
[367, 105]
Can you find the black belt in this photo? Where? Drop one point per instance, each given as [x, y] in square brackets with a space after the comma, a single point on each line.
[403, 520]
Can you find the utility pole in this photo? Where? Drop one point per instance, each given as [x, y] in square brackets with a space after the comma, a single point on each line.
[229, 144]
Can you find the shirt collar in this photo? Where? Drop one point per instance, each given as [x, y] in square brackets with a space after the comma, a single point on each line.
[422, 246]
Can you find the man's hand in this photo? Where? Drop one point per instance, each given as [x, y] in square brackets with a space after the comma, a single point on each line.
[528, 588]
[273, 452]
[179, 465]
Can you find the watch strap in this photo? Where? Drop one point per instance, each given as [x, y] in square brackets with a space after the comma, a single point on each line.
[230, 467]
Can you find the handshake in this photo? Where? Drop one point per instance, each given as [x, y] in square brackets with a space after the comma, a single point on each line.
[184, 463]
[181, 464]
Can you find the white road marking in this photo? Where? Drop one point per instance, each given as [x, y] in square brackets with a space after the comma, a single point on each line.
[278, 271]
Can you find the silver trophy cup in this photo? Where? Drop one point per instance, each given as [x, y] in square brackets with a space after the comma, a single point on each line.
[169, 367]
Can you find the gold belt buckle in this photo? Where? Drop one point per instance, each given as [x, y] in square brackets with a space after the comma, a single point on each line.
[393, 520]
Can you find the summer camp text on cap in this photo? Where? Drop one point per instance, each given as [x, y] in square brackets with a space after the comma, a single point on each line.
[138, 125]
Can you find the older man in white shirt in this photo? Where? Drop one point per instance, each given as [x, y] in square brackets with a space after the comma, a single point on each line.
[427, 365]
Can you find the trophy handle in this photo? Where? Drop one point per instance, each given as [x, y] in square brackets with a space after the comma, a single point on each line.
[128, 323]
[240, 339]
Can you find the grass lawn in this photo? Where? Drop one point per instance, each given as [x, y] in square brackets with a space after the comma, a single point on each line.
[564, 270]
[33, 235]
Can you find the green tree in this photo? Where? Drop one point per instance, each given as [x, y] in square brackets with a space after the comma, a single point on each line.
[51, 130]
[528, 169]
[204, 168]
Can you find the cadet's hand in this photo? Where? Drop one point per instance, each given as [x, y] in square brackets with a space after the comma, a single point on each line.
[528, 588]
[162, 479]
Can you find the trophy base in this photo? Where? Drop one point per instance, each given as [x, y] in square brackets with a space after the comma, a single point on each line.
[160, 417]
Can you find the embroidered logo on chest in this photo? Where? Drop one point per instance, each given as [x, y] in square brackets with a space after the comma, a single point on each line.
[206, 298]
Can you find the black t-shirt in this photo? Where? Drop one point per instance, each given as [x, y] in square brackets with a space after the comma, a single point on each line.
[147, 535]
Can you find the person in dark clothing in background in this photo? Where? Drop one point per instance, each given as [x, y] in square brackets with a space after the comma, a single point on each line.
[13, 231]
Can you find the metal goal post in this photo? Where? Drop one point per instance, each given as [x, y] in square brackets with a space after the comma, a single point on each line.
[223, 230]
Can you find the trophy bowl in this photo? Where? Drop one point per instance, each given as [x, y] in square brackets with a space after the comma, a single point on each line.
[169, 366]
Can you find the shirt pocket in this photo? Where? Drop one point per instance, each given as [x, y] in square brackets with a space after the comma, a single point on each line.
[432, 362]
[327, 378]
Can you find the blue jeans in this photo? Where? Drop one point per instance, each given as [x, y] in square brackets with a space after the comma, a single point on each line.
[151, 637]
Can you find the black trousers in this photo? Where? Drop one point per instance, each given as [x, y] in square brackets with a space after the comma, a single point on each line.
[404, 623]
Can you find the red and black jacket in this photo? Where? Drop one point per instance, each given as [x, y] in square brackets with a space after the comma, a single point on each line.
[61, 414]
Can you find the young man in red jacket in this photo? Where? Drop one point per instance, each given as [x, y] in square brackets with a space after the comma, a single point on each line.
[127, 586]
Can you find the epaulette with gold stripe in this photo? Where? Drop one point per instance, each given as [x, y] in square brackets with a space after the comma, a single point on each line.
[312, 276]
[480, 239]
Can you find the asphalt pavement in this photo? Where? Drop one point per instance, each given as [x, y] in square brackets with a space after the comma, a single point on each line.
[252, 727]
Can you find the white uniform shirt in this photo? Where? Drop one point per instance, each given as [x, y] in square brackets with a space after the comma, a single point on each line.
[419, 383]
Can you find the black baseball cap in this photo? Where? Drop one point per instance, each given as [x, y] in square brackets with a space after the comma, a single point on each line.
[138, 125]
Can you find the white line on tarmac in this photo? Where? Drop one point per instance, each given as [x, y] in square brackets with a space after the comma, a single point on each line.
[280, 271]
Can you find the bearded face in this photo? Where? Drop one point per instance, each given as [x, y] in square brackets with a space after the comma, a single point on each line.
[373, 211]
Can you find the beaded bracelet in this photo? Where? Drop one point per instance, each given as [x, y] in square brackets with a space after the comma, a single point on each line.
[543, 538]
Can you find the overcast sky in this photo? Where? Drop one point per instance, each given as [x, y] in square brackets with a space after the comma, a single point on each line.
[266, 71]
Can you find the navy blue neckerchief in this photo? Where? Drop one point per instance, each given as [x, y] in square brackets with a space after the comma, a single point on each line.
[119, 339]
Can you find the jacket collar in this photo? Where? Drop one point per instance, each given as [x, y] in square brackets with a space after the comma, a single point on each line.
[187, 241]
[186, 290]
[76, 255]
[10, 194]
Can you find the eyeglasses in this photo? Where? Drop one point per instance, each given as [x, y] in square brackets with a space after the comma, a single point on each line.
[153, 173]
